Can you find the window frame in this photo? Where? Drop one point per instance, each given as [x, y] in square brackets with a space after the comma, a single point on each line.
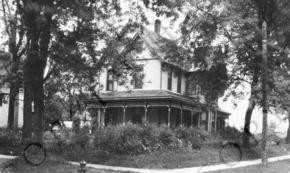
[179, 81]
[169, 79]
[110, 81]
[138, 76]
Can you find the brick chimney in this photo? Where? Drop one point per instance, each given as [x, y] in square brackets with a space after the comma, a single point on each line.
[157, 26]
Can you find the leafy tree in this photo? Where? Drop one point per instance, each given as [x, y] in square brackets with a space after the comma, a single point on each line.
[76, 51]
[237, 25]
[13, 27]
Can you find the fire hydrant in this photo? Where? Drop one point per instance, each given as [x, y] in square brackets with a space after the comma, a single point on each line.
[83, 166]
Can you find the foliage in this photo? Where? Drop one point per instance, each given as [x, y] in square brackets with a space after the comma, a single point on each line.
[10, 137]
[137, 139]
[166, 136]
[81, 138]
[213, 82]
[231, 133]
[54, 109]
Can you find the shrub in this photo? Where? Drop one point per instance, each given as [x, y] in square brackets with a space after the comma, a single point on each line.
[120, 139]
[231, 133]
[10, 137]
[81, 138]
[166, 136]
[195, 138]
[130, 141]
[135, 139]
[149, 135]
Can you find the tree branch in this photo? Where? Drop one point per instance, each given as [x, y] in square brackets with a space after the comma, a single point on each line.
[49, 73]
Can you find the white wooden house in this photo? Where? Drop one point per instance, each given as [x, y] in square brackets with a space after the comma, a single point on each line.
[161, 97]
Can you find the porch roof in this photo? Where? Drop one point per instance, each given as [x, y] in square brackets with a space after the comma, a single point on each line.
[142, 95]
[223, 113]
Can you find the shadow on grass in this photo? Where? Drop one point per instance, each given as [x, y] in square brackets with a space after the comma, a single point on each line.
[53, 164]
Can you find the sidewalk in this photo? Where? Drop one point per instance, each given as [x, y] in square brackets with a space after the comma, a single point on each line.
[179, 170]
[189, 170]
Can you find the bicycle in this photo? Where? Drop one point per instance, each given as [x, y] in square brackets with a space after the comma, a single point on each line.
[35, 153]
[230, 153]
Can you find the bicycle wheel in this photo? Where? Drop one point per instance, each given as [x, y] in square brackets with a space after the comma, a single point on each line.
[34, 154]
[230, 153]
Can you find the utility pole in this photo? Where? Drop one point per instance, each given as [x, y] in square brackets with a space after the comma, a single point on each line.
[265, 92]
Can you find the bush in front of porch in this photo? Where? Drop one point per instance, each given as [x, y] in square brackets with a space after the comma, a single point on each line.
[135, 139]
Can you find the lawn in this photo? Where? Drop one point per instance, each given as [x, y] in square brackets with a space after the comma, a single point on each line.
[166, 159]
[274, 167]
[180, 158]
[51, 165]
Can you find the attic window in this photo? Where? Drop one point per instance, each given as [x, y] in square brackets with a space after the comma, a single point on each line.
[110, 81]
[139, 45]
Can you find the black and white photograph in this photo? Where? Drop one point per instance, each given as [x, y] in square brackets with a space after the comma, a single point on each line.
[144, 86]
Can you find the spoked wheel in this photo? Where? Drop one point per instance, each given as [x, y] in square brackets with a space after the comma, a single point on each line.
[34, 154]
[230, 153]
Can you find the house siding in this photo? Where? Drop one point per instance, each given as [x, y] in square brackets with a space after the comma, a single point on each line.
[183, 84]
[4, 111]
[152, 74]
[174, 81]
[164, 80]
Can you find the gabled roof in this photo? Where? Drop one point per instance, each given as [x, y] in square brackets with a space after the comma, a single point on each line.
[153, 41]
[156, 44]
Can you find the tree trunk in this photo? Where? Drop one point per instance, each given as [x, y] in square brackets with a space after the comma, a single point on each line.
[27, 113]
[39, 36]
[248, 117]
[265, 95]
[14, 90]
[14, 80]
[39, 113]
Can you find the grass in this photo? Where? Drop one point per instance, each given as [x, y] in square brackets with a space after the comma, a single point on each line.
[274, 167]
[169, 159]
[51, 165]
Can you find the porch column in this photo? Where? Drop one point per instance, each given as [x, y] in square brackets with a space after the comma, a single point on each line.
[145, 114]
[209, 123]
[99, 117]
[124, 114]
[215, 121]
[168, 116]
[191, 118]
[181, 117]
[102, 118]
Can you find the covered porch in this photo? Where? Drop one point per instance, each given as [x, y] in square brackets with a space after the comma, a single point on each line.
[155, 107]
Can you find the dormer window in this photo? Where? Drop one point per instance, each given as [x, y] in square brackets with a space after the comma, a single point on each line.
[110, 81]
[139, 45]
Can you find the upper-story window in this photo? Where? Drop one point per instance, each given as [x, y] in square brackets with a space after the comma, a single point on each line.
[169, 81]
[179, 77]
[110, 81]
[1, 98]
[137, 80]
